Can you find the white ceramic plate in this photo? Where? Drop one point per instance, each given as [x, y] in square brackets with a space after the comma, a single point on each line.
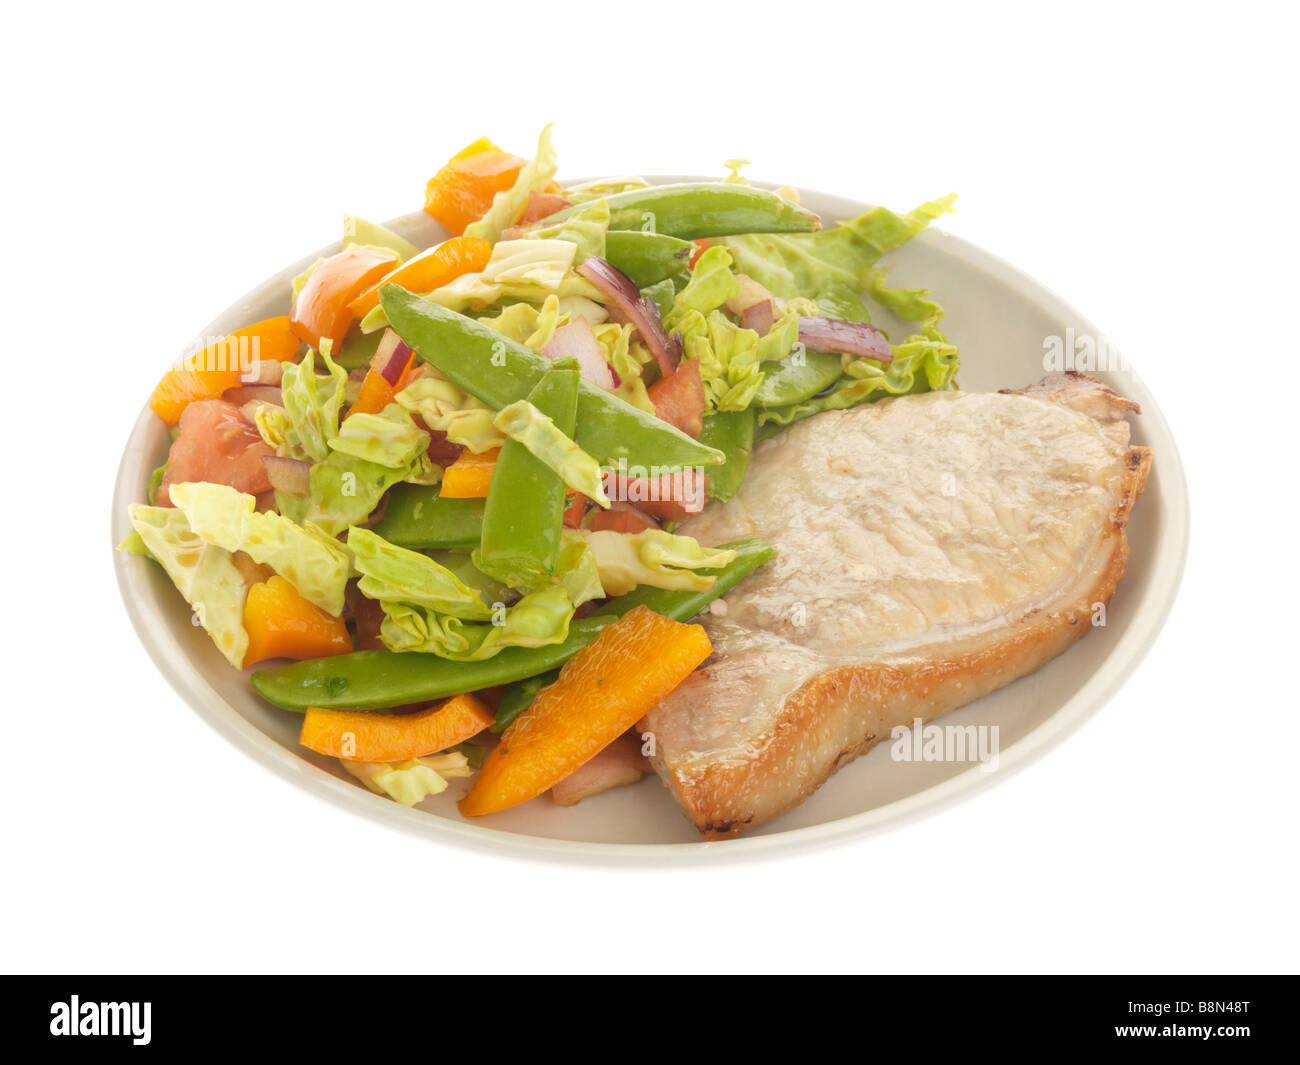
[1000, 318]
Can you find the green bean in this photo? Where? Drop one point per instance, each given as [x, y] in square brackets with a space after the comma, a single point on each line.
[798, 377]
[732, 433]
[377, 680]
[524, 515]
[678, 605]
[499, 371]
[713, 209]
[416, 517]
[648, 258]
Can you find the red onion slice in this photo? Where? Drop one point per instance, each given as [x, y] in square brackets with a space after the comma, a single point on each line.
[291, 476]
[264, 372]
[760, 317]
[575, 339]
[628, 305]
[748, 293]
[847, 338]
[391, 357]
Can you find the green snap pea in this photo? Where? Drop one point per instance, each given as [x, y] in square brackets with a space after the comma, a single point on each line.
[519, 696]
[798, 377]
[358, 349]
[416, 517]
[732, 433]
[648, 258]
[662, 293]
[498, 371]
[678, 605]
[524, 516]
[707, 209]
[377, 680]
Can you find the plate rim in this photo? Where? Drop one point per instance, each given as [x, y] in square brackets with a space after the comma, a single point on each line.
[1098, 690]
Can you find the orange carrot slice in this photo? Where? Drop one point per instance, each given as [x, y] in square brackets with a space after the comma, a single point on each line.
[470, 475]
[602, 691]
[394, 737]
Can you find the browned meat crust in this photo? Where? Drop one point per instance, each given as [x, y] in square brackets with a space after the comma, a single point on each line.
[731, 765]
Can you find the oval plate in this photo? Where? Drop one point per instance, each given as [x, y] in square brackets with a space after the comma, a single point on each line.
[1000, 318]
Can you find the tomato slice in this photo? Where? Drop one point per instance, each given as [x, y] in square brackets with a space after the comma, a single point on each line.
[542, 205]
[622, 519]
[702, 245]
[216, 444]
[574, 512]
[679, 398]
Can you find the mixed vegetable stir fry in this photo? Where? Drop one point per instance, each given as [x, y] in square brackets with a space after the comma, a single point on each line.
[445, 484]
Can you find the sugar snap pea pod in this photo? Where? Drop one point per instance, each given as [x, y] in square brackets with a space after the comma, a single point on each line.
[519, 696]
[524, 516]
[707, 209]
[798, 377]
[376, 680]
[415, 517]
[678, 605]
[498, 371]
[358, 349]
[732, 433]
[648, 258]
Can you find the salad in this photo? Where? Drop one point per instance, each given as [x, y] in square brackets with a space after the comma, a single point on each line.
[434, 502]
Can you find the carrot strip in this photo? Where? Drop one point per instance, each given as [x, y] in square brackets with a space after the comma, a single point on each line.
[363, 737]
[602, 691]
[470, 475]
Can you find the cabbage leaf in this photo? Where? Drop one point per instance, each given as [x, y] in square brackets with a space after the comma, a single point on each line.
[523, 422]
[202, 572]
[316, 565]
[651, 557]
[509, 206]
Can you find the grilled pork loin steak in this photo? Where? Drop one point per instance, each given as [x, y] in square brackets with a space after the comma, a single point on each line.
[930, 549]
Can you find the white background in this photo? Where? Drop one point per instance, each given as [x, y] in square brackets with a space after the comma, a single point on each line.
[1137, 159]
